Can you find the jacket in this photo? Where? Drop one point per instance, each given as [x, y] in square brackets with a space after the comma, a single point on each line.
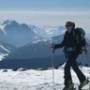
[69, 41]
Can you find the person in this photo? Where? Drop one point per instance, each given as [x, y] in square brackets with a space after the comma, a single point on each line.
[72, 50]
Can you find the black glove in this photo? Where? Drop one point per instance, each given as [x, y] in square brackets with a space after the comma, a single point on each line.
[53, 47]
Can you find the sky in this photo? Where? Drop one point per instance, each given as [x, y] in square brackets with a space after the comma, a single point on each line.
[46, 12]
[43, 4]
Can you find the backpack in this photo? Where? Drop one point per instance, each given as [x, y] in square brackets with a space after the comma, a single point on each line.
[80, 38]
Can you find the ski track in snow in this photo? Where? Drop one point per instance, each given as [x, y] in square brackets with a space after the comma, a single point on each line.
[36, 79]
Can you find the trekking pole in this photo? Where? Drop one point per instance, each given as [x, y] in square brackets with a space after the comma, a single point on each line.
[52, 65]
[53, 72]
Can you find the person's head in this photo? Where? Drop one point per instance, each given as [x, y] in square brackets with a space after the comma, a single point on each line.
[70, 26]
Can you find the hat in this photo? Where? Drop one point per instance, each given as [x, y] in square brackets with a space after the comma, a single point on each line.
[69, 23]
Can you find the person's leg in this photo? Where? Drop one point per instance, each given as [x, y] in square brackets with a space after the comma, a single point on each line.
[76, 68]
[78, 72]
[82, 78]
[67, 74]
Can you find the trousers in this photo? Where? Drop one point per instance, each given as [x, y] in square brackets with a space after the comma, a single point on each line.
[72, 63]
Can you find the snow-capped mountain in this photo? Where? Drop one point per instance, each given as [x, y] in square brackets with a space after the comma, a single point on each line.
[36, 55]
[46, 33]
[30, 42]
[53, 31]
[33, 45]
[6, 48]
[41, 49]
[16, 34]
[39, 55]
[3, 49]
[38, 50]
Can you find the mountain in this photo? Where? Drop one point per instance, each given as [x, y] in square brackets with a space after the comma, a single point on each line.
[6, 48]
[3, 49]
[17, 34]
[39, 55]
[28, 46]
[36, 55]
[54, 31]
[20, 34]
[46, 33]
[41, 49]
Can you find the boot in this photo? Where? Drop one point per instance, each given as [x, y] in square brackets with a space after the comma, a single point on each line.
[69, 86]
[82, 84]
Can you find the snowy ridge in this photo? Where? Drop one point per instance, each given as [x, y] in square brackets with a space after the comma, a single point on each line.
[5, 49]
[2, 56]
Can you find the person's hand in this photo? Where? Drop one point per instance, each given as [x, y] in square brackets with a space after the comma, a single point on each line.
[52, 46]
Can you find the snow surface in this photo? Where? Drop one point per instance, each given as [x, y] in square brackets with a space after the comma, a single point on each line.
[2, 56]
[36, 79]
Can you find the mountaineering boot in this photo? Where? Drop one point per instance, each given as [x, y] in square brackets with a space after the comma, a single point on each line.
[69, 86]
[82, 84]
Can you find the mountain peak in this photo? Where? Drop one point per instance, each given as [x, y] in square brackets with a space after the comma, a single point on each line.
[7, 22]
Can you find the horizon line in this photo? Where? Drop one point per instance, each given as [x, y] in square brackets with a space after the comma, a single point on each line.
[49, 12]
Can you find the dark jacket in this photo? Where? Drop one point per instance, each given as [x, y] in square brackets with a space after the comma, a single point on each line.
[69, 41]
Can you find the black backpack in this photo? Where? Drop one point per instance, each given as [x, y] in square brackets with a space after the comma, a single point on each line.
[80, 38]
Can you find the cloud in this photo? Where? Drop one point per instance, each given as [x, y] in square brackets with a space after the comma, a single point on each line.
[48, 12]
[47, 17]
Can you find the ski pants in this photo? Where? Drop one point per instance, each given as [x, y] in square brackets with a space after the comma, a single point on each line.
[72, 63]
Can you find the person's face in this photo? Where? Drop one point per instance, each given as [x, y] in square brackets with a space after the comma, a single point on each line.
[69, 28]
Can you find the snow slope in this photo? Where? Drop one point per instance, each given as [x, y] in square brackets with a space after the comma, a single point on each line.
[35, 79]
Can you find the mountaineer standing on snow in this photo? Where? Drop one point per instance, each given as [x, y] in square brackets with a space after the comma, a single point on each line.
[74, 44]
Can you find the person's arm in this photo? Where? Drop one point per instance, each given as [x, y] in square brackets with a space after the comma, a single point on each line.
[61, 45]
[56, 46]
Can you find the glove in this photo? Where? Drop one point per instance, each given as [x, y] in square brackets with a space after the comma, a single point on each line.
[53, 47]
